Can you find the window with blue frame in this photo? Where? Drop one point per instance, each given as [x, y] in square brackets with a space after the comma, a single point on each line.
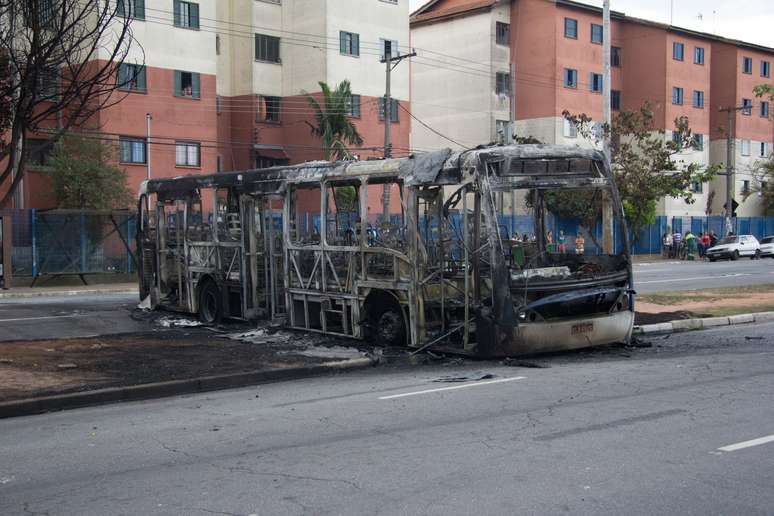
[570, 78]
[678, 51]
[747, 65]
[698, 99]
[570, 28]
[677, 95]
[596, 33]
[698, 55]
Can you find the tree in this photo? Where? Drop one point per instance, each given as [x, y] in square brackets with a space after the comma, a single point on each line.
[333, 125]
[84, 177]
[62, 62]
[645, 165]
[763, 170]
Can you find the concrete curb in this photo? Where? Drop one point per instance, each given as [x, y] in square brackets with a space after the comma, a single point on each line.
[30, 406]
[707, 322]
[53, 293]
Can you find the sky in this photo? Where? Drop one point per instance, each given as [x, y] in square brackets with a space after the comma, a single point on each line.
[747, 20]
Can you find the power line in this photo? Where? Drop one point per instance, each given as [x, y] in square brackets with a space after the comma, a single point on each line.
[433, 130]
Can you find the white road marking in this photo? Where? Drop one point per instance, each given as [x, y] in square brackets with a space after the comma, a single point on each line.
[454, 387]
[692, 279]
[39, 318]
[747, 444]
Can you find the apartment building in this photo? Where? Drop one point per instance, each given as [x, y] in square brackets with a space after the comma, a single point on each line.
[556, 49]
[223, 85]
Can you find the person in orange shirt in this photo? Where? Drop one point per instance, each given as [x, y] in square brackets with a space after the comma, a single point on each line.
[580, 244]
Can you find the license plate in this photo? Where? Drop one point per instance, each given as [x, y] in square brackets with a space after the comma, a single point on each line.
[581, 328]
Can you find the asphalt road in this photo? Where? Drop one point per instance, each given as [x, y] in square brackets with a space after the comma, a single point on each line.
[67, 316]
[672, 429]
[684, 275]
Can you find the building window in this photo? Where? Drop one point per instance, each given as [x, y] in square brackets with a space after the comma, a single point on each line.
[44, 15]
[502, 128]
[265, 162]
[570, 28]
[747, 64]
[698, 55]
[747, 107]
[186, 14]
[677, 96]
[615, 56]
[596, 33]
[697, 187]
[218, 104]
[595, 82]
[349, 43]
[765, 108]
[131, 9]
[570, 78]
[765, 69]
[48, 84]
[746, 186]
[677, 138]
[698, 99]
[763, 150]
[38, 151]
[187, 154]
[131, 77]
[502, 33]
[393, 109]
[219, 164]
[187, 84]
[353, 106]
[268, 109]
[217, 44]
[389, 48]
[698, 142]
[503, 83]
[745, 147]
[615, 100]
[132, 150]
[569, 130]
[267, 48]
[678, 51]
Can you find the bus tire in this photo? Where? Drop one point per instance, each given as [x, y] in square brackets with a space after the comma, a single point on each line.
[389, 326]
[210, 303]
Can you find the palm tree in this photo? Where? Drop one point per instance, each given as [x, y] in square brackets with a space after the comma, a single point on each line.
[334, 127]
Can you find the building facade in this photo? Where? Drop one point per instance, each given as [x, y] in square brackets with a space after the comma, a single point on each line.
[556, 50]
[221, 85]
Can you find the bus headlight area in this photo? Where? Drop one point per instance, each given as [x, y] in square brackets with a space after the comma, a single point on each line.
[477, 252]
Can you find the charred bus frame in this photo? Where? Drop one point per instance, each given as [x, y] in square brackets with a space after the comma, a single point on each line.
[436, 271]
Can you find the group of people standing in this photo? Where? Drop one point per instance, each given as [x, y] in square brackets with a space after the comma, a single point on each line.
[687, 247]
[560, 246]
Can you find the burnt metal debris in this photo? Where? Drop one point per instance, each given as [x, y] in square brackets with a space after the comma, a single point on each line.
[310, 244]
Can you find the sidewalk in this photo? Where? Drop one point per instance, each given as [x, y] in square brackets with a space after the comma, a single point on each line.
[106, 288]
[41, 376]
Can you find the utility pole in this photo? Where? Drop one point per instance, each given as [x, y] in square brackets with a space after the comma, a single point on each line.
[607, 80]
[730, 159]
[10, 21]
[388, 60]
[148, 119]
[512, 121]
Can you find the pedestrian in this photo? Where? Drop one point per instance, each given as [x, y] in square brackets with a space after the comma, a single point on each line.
[550, 241]
[706, 242]
[666, 252]
[525, 238]
[713, 239]
[677, 242]
[580, 244]
[690, 245]
[700, 245]
[561, 240]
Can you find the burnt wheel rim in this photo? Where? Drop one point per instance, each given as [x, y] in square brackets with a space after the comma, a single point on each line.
[209, 304]
[389, 327]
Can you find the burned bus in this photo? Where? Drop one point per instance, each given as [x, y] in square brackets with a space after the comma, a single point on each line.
[446, 250]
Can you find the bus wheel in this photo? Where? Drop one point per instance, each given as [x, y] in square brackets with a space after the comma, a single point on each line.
[210, 308]
[390, 327]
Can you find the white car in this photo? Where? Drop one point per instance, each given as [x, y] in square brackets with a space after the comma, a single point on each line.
[732, 247]
[767, 246]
